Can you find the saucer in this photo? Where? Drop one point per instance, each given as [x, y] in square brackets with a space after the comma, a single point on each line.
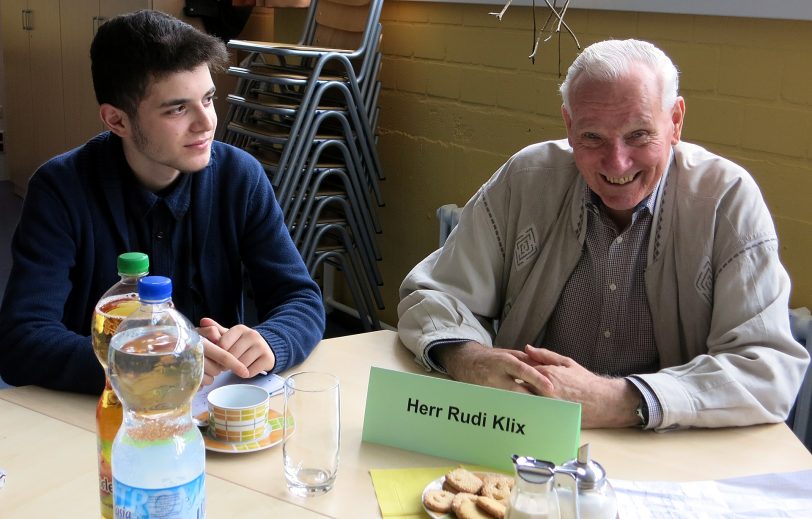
[272, 436]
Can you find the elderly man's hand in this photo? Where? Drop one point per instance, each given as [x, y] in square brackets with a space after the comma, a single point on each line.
[495, 367]
[240, 349]
[605, 402]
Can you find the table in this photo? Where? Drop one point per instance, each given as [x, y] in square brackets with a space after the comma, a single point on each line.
[60, 428]
[52, 472]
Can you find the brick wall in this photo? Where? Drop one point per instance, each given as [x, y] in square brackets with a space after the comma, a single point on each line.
[460, 96]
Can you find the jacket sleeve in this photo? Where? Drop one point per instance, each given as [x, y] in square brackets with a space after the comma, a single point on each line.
[289, 303]
[453, 294]
[36, 347]
[752, 368]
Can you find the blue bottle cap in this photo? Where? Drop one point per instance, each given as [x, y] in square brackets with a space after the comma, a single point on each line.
[154, 289]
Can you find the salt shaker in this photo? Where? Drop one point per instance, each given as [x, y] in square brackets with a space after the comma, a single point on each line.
[596, 497]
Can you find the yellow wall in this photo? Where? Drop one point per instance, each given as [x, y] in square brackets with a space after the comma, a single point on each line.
[460, 96]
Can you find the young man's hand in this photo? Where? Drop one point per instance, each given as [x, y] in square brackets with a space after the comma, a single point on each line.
[240, 349]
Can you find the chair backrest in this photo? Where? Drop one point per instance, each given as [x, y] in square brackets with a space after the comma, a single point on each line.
[447, 216]
[801, 324]
[340, 24]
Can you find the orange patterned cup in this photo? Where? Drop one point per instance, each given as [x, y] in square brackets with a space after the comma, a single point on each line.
[238, 412]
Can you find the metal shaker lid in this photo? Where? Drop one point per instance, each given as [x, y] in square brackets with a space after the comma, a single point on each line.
[588, 472]
[533, 470]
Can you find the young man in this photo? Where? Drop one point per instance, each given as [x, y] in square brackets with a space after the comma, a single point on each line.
[620, 268]
[158, 183]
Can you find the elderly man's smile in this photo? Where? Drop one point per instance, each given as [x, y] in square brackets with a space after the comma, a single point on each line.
[620, 180]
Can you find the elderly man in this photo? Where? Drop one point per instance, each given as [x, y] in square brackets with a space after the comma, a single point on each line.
[621, 268]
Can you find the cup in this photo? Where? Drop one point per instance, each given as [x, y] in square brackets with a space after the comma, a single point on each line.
[238, 412]
[312, 432]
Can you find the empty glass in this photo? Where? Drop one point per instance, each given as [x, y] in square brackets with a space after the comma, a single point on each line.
[312, 432]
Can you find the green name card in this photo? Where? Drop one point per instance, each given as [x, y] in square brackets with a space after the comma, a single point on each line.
[468, 423]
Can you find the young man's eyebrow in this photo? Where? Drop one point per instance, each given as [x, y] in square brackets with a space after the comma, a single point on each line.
[183, 101]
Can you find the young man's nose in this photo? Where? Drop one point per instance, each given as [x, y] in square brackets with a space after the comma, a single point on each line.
[205, 119]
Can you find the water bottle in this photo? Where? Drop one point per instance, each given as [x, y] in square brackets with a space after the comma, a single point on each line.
[118, 302]
[156, 366]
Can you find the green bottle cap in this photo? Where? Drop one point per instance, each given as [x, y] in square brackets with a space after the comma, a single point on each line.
[133, 263]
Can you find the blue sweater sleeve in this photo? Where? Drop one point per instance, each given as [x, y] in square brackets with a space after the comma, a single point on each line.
[36, 344]
[289, 303]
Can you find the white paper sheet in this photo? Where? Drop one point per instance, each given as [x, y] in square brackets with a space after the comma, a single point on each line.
[782, 495]
[273, 383]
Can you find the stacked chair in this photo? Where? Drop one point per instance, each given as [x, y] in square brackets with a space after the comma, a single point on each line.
[307, 112]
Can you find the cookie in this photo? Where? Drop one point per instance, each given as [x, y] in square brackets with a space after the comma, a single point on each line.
[463, 481]
[494, 477]
[438, 500]
[470, 510]
[461, 498]
[492, 507]
[497, 487]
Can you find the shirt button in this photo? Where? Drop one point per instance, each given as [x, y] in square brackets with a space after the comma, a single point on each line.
[619, 239]
[612, 287]
[607, 334]
[159, 235]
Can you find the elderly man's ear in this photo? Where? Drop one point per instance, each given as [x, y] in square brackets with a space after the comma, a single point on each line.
[678, 118]
[567, 122]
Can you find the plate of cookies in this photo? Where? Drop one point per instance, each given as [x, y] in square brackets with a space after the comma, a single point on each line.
[466, 494]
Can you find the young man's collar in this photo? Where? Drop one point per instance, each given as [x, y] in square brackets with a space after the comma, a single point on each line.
[176, 197]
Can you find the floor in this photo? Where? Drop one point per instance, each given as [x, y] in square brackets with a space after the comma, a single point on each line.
[338, 324]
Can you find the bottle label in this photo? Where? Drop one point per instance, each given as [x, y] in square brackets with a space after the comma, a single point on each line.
[105, 478]
[187, 501]
[108, 420]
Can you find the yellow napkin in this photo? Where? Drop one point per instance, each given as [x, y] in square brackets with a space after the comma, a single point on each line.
[399, 491]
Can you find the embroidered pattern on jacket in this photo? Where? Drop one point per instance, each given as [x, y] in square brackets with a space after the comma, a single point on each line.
[766, 242]
[493, 224]
[704, 280]
[659, 225]
[526, 247]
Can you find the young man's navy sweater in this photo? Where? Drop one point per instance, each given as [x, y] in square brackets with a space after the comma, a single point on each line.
[73, 227]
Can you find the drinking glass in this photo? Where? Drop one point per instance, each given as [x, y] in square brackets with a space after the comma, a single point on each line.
[312, 432]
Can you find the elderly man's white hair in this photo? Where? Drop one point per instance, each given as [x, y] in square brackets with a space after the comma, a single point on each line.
[611, 59]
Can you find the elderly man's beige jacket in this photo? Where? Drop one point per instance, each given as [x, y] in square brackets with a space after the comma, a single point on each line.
[717, 291]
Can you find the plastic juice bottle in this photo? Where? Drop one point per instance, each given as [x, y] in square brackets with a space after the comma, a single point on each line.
[156, 366]
[118, 302]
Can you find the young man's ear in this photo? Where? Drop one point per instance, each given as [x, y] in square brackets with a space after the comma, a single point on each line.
[115, 119]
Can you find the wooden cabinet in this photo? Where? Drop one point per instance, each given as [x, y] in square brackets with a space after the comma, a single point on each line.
[50, 106]
[35, 126]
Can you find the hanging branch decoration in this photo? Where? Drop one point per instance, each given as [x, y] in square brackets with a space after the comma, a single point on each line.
[554, 28]
[501, 13]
